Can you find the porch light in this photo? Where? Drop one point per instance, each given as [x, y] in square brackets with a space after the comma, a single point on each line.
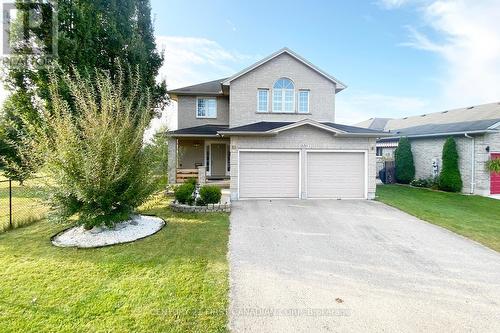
[488, 149]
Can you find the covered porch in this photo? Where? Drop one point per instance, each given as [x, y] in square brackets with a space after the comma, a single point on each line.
[202, 156]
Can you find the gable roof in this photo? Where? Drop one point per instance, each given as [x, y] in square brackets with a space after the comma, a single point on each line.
[339, 85]
[215, 87]
[461, 115]
[273, 128]
[209, 88]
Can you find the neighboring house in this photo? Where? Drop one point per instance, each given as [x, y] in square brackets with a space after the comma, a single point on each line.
[270, 129]
[476, 130]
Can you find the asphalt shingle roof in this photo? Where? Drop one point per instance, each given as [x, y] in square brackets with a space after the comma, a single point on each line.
[443, 129]
[211, 87]
[208, 130]
[264, 126]
[468, 114]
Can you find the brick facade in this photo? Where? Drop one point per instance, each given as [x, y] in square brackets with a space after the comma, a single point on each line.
[303, 138]
[425, 150]
[243, 92]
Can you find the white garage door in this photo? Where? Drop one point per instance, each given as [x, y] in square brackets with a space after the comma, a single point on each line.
[335, 175]
[269, 174]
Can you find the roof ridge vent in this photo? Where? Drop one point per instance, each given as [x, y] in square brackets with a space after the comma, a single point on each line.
[405, 118]
[445, 111]
[423, 115]
[470, 107]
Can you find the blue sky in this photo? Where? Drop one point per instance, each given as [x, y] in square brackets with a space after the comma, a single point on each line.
[398, 57]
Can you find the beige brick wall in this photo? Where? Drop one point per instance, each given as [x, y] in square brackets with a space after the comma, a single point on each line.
[426, 149]
[186, 112]
[303, 138]
[243, 92]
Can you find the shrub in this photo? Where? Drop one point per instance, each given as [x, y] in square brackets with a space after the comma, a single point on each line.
[449, 178]
[493, 165]
[210, 194]
[424, 182]
[405, 168]
[184, 193]
[192, 180]
[92, 150]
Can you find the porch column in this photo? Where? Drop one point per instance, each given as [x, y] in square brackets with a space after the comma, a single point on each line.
[202, 174]
[172, 160]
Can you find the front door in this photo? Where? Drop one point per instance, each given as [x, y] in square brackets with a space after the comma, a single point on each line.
[218, 159]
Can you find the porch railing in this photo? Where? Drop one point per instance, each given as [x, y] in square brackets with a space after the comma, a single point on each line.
[183, 174]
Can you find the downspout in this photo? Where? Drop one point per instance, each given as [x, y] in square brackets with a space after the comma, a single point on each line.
[473, 163]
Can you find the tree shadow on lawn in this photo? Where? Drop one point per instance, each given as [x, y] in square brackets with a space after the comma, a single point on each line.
[184, 237]
[183, 267]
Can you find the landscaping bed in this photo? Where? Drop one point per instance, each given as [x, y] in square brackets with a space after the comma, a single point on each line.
[472, 216]
[173, 281]
[138, 227]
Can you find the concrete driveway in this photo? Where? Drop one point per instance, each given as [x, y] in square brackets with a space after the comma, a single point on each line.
[355, 266]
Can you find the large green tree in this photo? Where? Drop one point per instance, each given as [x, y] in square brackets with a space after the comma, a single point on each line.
[91, 34]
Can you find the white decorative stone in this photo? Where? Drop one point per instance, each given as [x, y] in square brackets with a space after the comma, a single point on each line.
[140, 226]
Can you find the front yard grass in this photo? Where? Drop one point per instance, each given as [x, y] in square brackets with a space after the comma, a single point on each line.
[173, 281]
[475, 217]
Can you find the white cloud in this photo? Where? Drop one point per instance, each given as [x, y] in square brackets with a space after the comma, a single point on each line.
[355, 106]
[466, 36]
[389, 4]
[192, 60]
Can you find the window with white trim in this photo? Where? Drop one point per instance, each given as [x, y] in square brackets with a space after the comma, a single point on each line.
[206, 107]
[284, 96]
[303, 101]
[262, 100]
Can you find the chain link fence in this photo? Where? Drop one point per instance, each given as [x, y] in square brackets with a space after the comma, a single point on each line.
[22, 204]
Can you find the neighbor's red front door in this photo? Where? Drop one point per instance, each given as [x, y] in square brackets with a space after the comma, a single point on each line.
[495, 178]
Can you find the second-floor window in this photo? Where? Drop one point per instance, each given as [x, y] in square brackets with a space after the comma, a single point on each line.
[284, 96]
[206, 107]
[262, 100]
[303, 101]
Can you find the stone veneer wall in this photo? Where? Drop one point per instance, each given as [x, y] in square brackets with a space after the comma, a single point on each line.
[172, 160]
[176, 207]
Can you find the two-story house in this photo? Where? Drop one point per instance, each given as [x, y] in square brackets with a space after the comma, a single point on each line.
[271, 130]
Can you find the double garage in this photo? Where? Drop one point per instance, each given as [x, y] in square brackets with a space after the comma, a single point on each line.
[302, 173]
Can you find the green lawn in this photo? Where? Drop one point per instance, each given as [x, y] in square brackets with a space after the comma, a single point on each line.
[173, 281]
[27, 202]
[475, 217]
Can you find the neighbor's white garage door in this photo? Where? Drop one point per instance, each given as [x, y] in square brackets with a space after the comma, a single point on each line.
[268, 174]
[335, 175]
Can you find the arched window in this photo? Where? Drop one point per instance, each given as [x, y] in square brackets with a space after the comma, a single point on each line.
[283, 96]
